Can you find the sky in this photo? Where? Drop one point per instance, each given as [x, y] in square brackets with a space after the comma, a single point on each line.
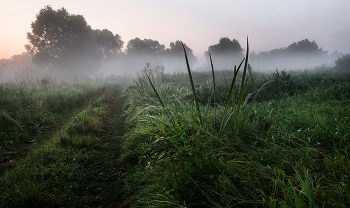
[269, 24]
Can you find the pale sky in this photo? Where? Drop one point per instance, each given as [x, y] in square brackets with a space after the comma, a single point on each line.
[269, 24]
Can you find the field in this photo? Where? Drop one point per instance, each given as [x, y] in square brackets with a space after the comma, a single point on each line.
[230, 138]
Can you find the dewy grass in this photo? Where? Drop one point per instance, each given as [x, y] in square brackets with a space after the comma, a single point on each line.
[192, 85]
[259, 153]
[306, 186]
[229, 98]
[155, 91]
[65, 171]
[35, 104]
[214, 85]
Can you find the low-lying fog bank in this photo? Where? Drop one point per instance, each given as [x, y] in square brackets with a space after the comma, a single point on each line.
[21, 66]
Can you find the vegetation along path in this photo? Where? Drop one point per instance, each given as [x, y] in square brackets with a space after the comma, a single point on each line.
[78, 166]
[9, 155]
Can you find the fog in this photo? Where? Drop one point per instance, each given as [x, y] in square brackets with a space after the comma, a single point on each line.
[63, 46]
[130, 65]
[302, 55]
[78, 67]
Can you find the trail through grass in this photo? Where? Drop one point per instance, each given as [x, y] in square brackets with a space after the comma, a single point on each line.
[9, 157]
[78, 166]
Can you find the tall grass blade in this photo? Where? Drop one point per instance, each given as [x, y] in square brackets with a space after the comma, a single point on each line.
[246, 113]
[245, 66]
[212, 71]
[307, 188]
[229, 97]
[155, 91]
[223, 73]
[240, 101]
[243, 85]
[192, 85]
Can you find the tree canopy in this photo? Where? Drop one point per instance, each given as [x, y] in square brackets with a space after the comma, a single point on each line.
[300, 48]
[109, 43]
[225, 47]
[343, 64]
[226, 53]
[304, 47]
[176, 50]
[64, 43]
[298, 55]
[146, 46]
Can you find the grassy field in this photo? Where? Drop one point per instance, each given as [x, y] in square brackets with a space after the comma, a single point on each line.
[279, 140]
[222, 138]
[71, 157]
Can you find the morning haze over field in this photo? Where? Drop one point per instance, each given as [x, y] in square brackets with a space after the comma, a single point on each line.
[293, 35]
[175, 104]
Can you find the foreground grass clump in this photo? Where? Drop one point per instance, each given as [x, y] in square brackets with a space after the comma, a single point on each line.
[30, 108]
[258, 147]
[69, 170]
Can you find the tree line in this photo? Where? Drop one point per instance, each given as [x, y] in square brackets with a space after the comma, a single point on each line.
[61, 43]
[64, 43]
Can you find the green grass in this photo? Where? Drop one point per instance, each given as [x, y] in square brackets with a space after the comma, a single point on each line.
[74, 168]
[30, 108]
[282, 141]
[201, 139]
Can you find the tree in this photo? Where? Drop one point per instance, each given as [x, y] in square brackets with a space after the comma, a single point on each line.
[144, 47]
[343, 64]
[304, 47]
[225, 47]
[226, 53]
[109, 43]
[176, 48]
[304, 54]
[176, 51]
[63, 43]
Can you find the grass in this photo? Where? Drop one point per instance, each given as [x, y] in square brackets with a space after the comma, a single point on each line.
[201, 139]
[29, 108]
[77, 167]
[281, 141]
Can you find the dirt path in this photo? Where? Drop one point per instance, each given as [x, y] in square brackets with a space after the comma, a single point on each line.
[98, 179]
[9, 158]
[106, 172]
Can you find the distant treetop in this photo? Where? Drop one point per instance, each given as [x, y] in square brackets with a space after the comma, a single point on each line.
[138, 46]
[225, 47]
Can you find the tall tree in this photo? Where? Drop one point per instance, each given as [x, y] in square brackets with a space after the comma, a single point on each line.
[176, 48]
[177, 51]
[342, 64]
[63, 43]
[225, 47]
[109, 43]
[298, 55]
[304, 47]
[145, 47]
[225, 54]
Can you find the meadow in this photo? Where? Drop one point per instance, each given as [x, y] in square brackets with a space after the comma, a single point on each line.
[238, 139]
[221, 138]
[53, 134]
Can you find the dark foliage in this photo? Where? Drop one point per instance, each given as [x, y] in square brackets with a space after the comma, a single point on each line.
[65, 44]
[343, 64]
